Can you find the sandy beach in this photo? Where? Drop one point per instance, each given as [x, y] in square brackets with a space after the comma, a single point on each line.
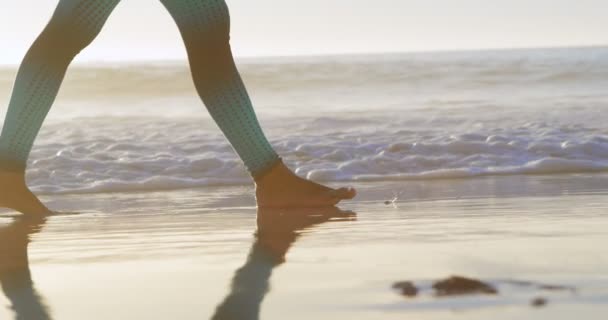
[194, 254]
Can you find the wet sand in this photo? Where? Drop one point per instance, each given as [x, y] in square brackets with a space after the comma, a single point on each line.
[205, 254]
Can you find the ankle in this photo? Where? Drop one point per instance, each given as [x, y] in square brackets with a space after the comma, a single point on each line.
[8, 165]
[11, 176]
[277, 171]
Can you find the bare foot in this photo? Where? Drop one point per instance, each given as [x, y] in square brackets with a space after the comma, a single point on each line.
[283, 188]
[14, 194]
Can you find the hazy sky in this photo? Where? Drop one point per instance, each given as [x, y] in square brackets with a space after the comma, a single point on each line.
[141, 29]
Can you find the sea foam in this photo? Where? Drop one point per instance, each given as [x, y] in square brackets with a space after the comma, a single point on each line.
[131, 155]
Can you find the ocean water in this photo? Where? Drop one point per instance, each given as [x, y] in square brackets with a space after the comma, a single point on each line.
[138, 127]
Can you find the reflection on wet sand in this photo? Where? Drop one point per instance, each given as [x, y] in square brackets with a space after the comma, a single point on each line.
[278, 230]
[15, 275]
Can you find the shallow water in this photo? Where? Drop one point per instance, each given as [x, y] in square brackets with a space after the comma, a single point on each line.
[193, 254]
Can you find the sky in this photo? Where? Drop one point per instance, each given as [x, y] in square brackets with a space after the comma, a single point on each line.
[141, 29]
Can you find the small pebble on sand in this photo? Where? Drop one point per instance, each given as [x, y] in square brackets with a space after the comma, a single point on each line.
[538, 302]
[407, 288]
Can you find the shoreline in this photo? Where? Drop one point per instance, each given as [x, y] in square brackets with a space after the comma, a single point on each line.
[346, 56]
[516, 185]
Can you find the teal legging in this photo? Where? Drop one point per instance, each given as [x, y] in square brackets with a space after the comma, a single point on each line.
[204, 26]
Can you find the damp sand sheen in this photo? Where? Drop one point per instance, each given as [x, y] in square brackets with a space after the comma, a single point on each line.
[466, 164]
[194, 254]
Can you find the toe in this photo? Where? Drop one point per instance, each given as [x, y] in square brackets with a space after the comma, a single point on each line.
[33, 210]
[30, 205]
[344, 193]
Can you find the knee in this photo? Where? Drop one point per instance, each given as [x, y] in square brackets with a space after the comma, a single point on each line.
[208, 49]
[204, 24]
[64, 38]
[68, 37]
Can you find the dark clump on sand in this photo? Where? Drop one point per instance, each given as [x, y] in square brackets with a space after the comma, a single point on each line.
[407, 288]
[538, 302]
[456, 285]
[452, 286]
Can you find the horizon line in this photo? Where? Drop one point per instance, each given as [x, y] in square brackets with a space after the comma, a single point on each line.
[331, 55]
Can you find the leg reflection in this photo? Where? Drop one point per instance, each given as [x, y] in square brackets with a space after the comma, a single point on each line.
[15, 274]
[277, 231]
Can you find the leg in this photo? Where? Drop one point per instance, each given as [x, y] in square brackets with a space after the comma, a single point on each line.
[278, 230]
[73, 26]
[15, 276]
[205, 27]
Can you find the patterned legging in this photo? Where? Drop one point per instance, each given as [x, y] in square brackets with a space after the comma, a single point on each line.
[204, 26]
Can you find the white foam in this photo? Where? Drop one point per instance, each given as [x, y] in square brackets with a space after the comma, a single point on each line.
[110, 156]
